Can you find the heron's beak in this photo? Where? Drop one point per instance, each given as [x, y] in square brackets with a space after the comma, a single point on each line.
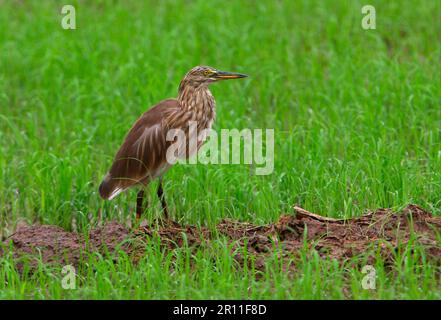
[223, 75]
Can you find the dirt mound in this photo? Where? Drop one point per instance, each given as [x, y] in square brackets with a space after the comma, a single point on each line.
[52, 244]
[339, 239]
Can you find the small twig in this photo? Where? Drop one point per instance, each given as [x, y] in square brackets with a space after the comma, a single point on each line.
[305, 213]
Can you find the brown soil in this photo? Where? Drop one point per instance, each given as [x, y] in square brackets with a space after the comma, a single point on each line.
[340, 239]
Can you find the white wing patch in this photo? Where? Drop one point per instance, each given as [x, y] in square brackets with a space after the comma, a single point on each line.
[115, 192]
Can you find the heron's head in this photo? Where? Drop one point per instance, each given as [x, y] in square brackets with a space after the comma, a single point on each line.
[204, 75]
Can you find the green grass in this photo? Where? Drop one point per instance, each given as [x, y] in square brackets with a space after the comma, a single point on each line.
[356, 114]
[211, 273]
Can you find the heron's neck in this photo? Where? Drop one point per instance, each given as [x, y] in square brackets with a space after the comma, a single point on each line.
[196, 98]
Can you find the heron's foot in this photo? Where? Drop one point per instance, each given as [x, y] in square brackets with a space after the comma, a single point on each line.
[138, 222]
[166, 222]
[141, 227]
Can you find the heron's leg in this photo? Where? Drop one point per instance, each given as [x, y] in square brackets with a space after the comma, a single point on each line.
[162, 198]
[139, 204]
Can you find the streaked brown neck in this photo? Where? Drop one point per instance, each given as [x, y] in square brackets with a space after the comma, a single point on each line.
[197, 99]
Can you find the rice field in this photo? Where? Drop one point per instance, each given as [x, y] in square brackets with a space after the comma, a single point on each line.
[357, 125]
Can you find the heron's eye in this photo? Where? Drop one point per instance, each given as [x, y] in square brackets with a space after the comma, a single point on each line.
[207, 73]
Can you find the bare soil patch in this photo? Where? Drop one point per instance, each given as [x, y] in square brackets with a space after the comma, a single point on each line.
[339, 239]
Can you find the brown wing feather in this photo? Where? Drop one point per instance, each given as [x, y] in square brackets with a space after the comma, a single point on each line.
[143, 153]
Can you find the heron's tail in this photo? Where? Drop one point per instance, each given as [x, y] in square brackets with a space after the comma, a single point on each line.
[109, 188]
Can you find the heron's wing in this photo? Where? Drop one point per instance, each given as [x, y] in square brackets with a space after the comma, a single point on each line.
[143, 153]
